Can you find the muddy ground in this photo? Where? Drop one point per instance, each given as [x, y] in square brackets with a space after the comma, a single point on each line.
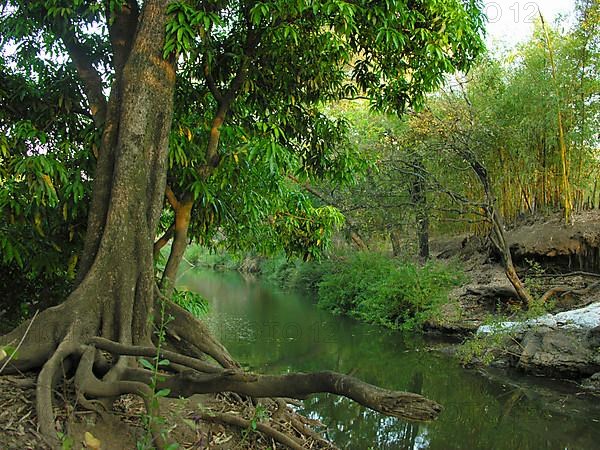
[547, 254]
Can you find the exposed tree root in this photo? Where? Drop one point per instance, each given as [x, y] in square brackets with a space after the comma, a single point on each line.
[18, 347]
[150, 352]
[404, 405]
[46, 381]
[88, 385]
[191, 336]
[56, 347]
[566, 290]
[240, 422]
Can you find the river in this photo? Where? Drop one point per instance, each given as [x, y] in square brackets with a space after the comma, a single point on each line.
[276, 332]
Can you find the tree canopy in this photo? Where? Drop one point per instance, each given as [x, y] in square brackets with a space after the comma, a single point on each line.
[213, 108]
[505, 111]
[251, 82]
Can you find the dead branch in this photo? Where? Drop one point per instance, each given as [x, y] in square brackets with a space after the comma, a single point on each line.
[240, 422]
[404, 405]
[566, 290]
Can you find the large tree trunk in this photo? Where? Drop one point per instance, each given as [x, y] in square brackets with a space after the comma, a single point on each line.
[115, 293]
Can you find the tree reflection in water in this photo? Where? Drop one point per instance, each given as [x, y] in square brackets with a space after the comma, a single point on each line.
[277, 332]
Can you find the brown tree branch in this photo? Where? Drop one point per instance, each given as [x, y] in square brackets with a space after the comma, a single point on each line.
[91, 79]
[171, 197]
[224, 101]
[122, 26]
[404, 405]
[210, 82]
[240, 422]
[162, 241]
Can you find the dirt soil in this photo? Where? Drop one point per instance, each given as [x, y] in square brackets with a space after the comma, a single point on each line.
[121, 429]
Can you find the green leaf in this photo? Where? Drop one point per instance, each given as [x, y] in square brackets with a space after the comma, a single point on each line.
[163, 393]
[147, 364]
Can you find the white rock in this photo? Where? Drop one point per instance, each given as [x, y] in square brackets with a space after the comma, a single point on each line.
[501, 326]
[548, 321]
[587, 317]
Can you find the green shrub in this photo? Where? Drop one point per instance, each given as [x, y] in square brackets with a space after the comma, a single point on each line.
[279, 270]
[377, 289]
[309, 275]
[191, 302]
[200, 256]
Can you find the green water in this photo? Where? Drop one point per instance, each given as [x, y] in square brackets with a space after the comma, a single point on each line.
[275, 332]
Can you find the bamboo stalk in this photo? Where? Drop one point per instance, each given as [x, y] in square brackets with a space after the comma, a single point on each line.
[567, 201]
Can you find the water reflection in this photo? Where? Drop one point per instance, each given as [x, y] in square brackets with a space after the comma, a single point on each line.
[276, 332]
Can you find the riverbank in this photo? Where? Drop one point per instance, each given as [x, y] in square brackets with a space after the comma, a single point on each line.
[398, 294]
[274, 331]
[553, 338]
[464, 288]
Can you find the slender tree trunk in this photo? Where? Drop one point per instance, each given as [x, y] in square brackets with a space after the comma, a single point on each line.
[183, 215]
[396, 239]
[423, 233]
[498, 236]
[163, 240]
[184, 207]
[419, 200]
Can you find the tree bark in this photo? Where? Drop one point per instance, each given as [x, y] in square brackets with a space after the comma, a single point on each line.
[122, 33]
[183, 216]
[131, 175]
[404, 405]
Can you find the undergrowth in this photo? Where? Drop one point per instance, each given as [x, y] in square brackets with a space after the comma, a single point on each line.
[192, 302]
[389, 292]
[199, 256]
